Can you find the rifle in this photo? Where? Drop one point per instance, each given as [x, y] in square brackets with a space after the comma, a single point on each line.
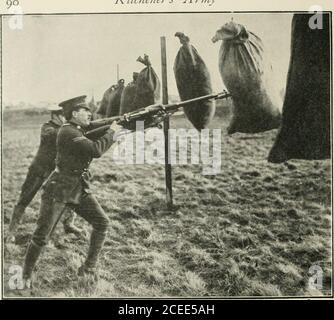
[152, 116]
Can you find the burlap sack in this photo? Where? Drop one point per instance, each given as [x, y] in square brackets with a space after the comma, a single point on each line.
[193, 80]
[243, 70]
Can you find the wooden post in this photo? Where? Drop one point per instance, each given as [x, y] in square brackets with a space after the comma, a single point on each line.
[117, 73]
[168, 167]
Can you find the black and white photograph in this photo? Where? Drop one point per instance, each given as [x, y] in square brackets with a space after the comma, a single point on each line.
[166, 154]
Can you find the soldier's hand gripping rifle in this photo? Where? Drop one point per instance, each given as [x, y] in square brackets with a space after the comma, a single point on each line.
[152, 116]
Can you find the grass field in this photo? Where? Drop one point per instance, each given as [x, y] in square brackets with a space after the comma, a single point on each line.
[255, 229]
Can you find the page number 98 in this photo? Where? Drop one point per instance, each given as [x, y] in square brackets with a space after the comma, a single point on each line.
[11, 3]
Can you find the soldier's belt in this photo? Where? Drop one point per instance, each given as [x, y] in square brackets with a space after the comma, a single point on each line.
[74, 172]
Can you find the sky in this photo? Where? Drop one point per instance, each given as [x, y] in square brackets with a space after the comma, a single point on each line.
[54, 58]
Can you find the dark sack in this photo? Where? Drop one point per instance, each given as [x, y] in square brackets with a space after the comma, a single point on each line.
[306, 123]
[148, 85]
[247, 77]
[115, 100]
[102, 111]
[128, 96]
[193, 80]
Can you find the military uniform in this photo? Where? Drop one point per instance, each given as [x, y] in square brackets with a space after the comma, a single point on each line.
[41, 167]
[43, 163]
[68, 186]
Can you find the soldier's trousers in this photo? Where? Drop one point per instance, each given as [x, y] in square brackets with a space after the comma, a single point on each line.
[50, 212]
[33, 182]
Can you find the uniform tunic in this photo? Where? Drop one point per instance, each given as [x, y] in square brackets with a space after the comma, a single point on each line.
[75, 152]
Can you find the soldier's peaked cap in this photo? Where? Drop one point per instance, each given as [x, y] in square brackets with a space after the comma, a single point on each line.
[74, 103]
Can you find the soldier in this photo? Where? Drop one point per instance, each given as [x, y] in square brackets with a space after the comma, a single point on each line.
[40, 168]
[68, 186]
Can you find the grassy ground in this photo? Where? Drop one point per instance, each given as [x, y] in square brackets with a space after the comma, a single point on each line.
[255, 229]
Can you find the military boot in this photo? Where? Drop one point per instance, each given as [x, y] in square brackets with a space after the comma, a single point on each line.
[89, 268]
[31, 258]
[14, 222]
[69, 226]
